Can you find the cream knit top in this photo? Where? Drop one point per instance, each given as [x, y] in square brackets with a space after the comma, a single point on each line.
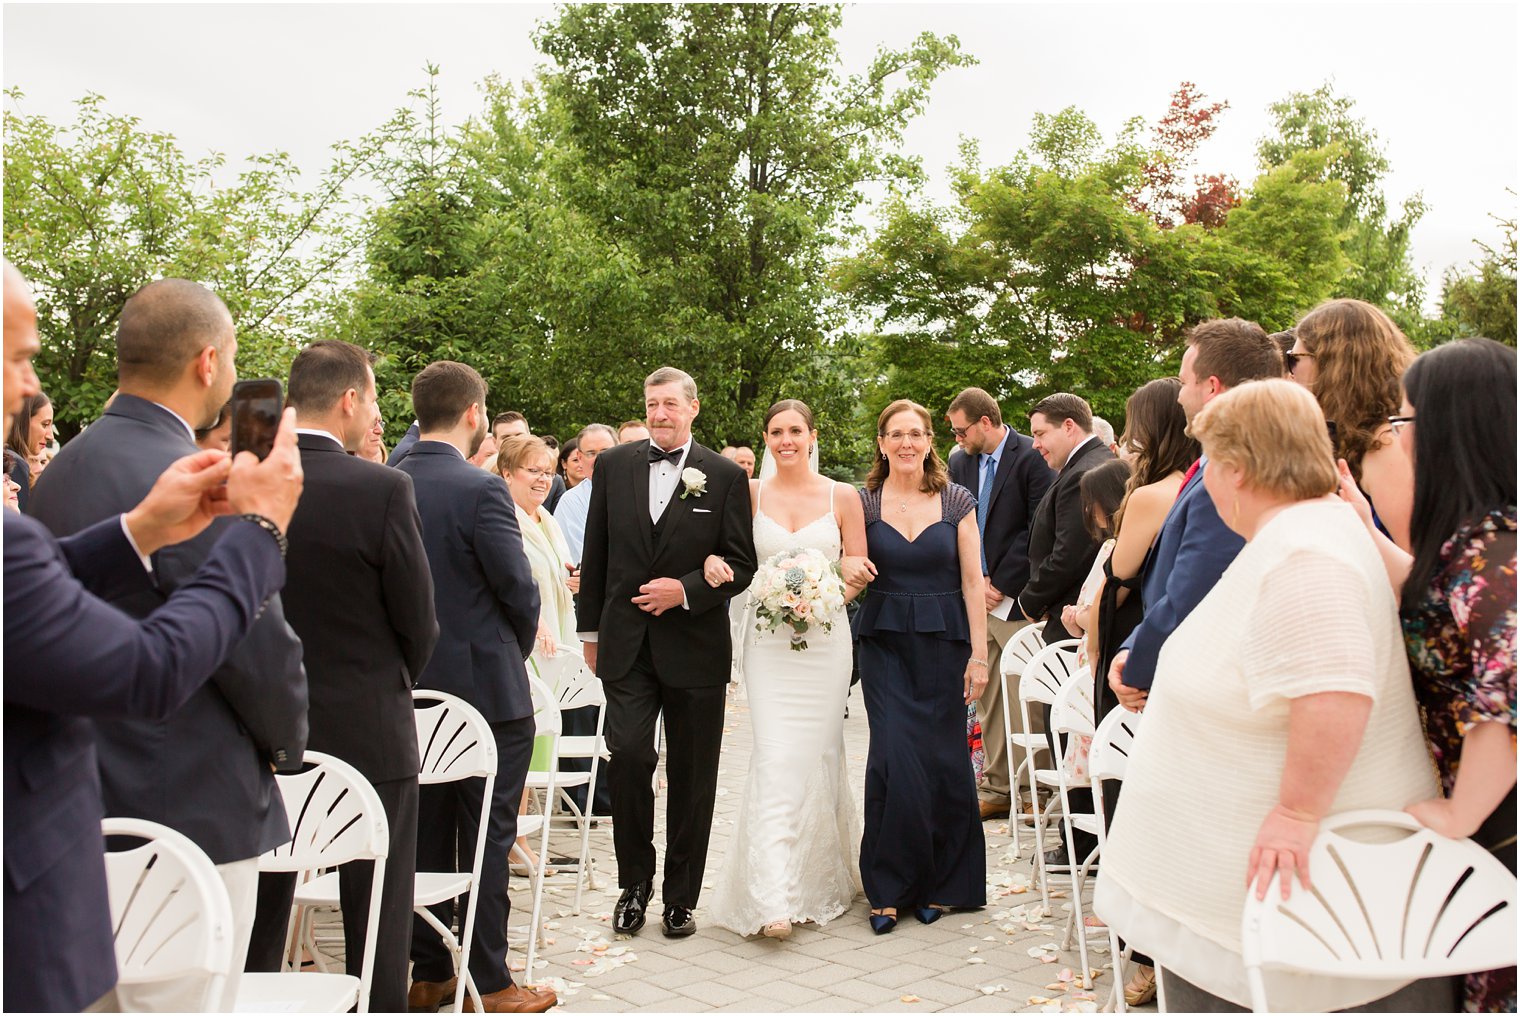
[1305, 608]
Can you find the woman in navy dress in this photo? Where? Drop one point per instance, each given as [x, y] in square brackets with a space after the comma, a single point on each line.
[923, 845]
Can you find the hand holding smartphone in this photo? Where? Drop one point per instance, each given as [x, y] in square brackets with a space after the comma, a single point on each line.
[256, 408]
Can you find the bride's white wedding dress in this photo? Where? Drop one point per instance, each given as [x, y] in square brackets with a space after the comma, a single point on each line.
[794, 854]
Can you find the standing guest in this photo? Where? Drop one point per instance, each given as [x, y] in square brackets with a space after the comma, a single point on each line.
[1104, 432]
[1457, 426]
[31, 433]
[552, 443]
[207, 771]
[728, 452]
[361, 598]
[483, 457]
[569, 467]
[487, 608]
[12, 490]
[1061, 551]
[1307, 725]
[373, 449]
[658, 636]
[923, 846]
[219, 434]
[18, 481]
[1009, 479]
[1350, 356]
[593, 440]
[744, 458]
[72, 655]
[1195, 546]
[570, 514]
[404, 446]
[632, 432]
[1285, 341]
[514, 424]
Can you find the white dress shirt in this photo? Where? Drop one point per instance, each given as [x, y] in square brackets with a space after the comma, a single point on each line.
[664, 478]
[315, 432]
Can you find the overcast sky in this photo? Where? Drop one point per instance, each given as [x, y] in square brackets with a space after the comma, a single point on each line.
[1437, 81]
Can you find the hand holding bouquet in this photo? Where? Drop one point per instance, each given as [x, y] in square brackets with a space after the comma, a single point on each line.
[798, 589]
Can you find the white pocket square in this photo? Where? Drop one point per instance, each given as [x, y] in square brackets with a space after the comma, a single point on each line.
[701, 511]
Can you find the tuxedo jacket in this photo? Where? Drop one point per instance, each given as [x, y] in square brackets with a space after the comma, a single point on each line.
[1021, 480]
[483, 591]
[624, 549]
[1060, 551]
[205, 770]
[360, 596]
[1191, 552]
[69, 654]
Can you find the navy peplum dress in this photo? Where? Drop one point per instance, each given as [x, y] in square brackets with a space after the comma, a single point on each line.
[923, 831]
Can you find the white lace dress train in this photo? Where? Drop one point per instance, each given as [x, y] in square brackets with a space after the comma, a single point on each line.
[794, 854]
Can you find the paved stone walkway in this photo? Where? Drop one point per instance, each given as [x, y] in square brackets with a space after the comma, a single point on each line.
[1001, 959]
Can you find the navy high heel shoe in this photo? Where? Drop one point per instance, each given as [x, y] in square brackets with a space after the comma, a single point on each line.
[928, 915]
[883, 923]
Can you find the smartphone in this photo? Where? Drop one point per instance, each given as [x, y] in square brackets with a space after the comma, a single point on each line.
[256, 407]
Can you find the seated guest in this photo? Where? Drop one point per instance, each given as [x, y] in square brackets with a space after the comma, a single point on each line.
[360, 596]
[1457, 426]
[1299, 709]
[219, 434]
[1350, 355]
[70, 655]
[630, 431]
[1102, 492]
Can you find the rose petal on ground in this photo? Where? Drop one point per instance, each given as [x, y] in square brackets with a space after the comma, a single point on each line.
[908, 998]
[1047, 958]
[1066, 975]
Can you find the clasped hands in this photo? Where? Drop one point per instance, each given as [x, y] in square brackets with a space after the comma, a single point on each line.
[1132, 699]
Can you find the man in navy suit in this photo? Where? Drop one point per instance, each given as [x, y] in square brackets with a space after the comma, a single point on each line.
[207, 771]
[1009, 478]
[487, 608]
[70, 655]
[1195, 546]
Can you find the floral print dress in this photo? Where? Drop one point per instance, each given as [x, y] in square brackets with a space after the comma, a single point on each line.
[1461, 643]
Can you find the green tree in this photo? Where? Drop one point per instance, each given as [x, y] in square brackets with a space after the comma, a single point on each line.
[96, 209]
[1482, 302]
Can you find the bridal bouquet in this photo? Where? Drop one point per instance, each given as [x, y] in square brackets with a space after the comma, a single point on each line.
[799, 589]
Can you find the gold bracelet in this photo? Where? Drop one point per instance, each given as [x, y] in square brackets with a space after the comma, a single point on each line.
[975, 660]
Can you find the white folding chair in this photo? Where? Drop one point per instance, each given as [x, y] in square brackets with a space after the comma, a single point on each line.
[454, 742]
[170, 913]
[546, 736]
[335, 817]
[1015, 657]
[1039, 684]
[575, 686]
[1071, 716]
[1112, 745]
[1421, 906]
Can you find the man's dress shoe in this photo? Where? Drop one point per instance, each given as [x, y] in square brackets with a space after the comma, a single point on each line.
[515, 998]
[427, 996]
[678, 922]
[628, 915]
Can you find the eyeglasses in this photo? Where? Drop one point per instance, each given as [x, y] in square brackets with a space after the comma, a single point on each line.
[1398, 423]
[537, 474]
[1291, 360]
[961, 431]
[905, 435]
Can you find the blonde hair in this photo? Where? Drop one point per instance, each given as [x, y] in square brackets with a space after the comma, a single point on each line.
[518, 450]
[1274, 431]
[936, 475]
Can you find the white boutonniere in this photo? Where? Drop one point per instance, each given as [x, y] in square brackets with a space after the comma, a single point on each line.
[695, 482]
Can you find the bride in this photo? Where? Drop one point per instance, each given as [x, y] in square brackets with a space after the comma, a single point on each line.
[794, 855]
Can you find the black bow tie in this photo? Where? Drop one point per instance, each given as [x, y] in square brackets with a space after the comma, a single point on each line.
[658, 454]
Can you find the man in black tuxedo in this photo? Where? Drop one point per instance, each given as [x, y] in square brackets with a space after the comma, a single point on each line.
[658, 637]
[487, 607]
[1009, 478]
[1061, 551]
[208, 770]
[69, 654]
[360, 596]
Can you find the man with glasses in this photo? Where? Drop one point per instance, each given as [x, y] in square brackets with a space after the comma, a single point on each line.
[593, 439]
[1000, 466]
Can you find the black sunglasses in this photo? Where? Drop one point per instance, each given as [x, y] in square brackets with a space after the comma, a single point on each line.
[1290, 360]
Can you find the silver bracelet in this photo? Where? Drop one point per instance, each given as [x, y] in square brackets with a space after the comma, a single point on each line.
[975, 660]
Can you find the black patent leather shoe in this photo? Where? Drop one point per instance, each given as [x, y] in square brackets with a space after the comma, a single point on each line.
[628, 915]
[678, 922]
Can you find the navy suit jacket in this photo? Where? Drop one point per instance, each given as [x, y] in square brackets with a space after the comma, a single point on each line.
[1193, 550]
[204, 771]
[404, 446]
[1020, 483]
[487, 602]
[1061, 552]
[69, 654]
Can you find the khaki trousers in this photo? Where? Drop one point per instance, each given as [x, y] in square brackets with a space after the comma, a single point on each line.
[1000, 762]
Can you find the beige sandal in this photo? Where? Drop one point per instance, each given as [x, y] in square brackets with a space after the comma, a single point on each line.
[1141, 987]
[777, 929]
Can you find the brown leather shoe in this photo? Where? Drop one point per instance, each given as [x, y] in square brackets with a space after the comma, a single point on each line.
[427, 996]
[515, 998]
[991, 811]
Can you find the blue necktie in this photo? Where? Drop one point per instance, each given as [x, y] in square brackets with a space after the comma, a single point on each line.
[983, 496]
